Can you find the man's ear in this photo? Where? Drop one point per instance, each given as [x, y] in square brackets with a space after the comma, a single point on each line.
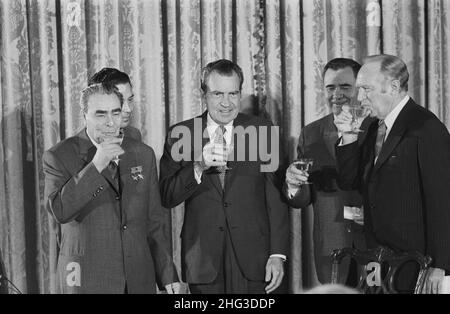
[203, 100]
[395, 86]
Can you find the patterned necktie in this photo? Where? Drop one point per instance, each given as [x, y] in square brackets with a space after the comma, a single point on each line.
[380, 138]
[113, 169]
[219, 139]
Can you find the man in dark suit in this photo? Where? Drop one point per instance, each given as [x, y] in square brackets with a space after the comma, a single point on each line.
[331, 231]
[401, 164]
[235, 230]
[120, 80]
[105, 196]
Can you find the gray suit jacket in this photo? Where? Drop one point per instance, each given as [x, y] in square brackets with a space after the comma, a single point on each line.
[111, 233]
[331, 231]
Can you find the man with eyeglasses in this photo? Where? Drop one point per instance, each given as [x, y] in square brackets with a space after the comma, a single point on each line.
[235, 230]
[331, 231]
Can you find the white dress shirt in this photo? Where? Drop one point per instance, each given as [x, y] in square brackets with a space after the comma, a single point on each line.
[211, 127]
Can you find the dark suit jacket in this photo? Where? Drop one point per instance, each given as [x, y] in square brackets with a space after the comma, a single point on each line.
[133, 133]
[251, 205]
[406, 193]
[331, 230]
[110, 234]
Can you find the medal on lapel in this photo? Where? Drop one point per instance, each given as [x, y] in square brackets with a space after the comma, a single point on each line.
[136, 173]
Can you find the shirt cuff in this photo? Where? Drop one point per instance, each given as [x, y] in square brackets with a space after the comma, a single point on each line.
[282, 256]
[292, 192]
[198, 171]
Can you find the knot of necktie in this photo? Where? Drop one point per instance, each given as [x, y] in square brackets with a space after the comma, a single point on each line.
[219, 139]
[219, 135]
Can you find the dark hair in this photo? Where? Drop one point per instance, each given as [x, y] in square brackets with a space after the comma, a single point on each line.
[109, 76]
[392, 67]
[102, 89]
[342, 63]
[223, 67]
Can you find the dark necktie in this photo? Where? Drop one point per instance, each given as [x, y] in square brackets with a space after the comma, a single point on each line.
[219, 139]
[113, 169]
[380, 138]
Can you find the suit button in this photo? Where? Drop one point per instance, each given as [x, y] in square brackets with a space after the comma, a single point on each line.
[117, 197]
[101, 187]
[124, 227]
[226, 204]
[221, 228]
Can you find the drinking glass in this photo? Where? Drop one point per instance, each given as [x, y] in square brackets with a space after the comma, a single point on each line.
[358, 114]
[304, 164]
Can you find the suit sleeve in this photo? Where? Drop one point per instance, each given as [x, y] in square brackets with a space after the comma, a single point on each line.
[347, 159]
[67, 195]
[278, 215]
[177, 179]
[434, 162]
[303, 196]
[277, 210]
[160, 232]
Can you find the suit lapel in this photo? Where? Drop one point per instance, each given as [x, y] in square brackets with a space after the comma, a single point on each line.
[330, 135]
[87, 150]
[394, 136]
[230, 175]
[127, 162]
[210, 174]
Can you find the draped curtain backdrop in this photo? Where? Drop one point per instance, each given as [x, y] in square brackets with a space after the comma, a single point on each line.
[50, 47]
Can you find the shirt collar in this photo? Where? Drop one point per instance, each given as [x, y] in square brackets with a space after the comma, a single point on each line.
[212, 125]
[392, 116]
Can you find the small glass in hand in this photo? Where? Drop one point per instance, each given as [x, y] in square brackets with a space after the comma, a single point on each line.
[304, 164]
[358, 114]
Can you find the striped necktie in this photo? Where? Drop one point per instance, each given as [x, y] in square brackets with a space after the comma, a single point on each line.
[219, 139]
[381, 134]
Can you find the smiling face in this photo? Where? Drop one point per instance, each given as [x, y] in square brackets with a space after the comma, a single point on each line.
[340, 86]
[223, 97]
[103, 116]
[128, 103]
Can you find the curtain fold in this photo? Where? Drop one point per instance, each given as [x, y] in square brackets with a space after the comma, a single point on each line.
[49, 48]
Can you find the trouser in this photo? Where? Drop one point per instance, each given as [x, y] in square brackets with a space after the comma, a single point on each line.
[230, 279]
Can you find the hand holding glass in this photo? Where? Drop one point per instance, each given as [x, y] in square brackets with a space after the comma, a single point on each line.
[304, 164]
[358, 113]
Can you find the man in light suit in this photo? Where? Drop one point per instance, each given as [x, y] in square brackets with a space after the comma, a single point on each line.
[235, 230]
[402, 167]
[121, 81]
[105, 196]
[331, 231]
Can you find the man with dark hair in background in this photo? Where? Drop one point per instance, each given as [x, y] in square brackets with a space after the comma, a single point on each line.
[316, 141]
[402, 167]
[120, 80]
[104, 194]
[235, 235]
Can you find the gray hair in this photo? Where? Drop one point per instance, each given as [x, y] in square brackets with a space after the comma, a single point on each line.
[392, 67]
[97, 89]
